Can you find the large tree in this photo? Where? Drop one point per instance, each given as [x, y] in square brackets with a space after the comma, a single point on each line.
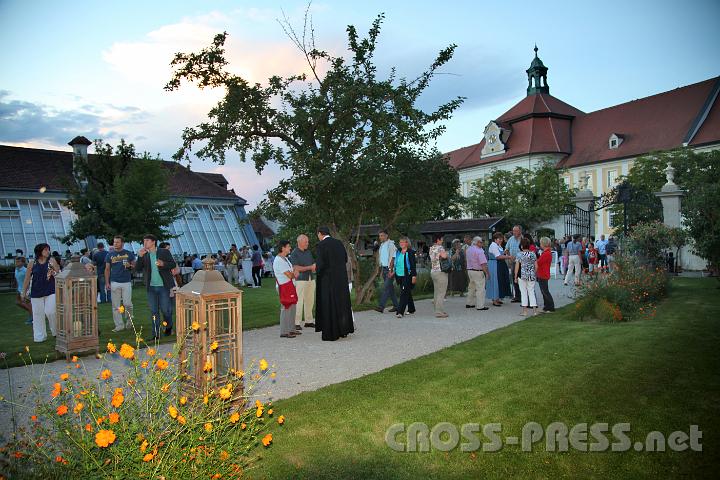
[357, 147]
[116, 192]
[527, 197]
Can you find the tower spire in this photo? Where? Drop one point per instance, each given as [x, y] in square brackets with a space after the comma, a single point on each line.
[537, 76]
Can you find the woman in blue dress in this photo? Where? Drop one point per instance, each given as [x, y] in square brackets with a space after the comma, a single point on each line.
[498, 285]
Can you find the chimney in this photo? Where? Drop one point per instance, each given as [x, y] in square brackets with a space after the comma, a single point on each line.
[80, 145]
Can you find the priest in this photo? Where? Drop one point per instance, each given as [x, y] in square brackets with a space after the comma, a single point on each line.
[333, 312]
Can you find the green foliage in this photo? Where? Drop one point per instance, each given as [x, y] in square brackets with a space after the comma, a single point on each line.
[630, 292]
[120, 194]
[648, 242]
[356, 147]
[523, 196]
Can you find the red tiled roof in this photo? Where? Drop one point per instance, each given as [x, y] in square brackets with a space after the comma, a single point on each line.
[216, 178]
[658, 122]
[541, 123]
[29, 169]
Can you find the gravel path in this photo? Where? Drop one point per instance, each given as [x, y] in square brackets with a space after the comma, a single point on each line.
[306, 363]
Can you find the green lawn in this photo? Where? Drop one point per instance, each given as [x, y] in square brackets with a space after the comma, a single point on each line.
[661, 374]
[260, 309]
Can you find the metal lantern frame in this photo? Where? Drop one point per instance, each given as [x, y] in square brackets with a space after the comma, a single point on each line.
[216, 306]
[76, 310]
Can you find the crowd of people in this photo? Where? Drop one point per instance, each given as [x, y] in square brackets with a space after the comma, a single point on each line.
[161, 273]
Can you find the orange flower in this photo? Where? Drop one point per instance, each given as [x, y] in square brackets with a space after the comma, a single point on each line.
[235, 417]
[64, 376]
[258, 404]
[143, 445]
[113, 417]
[78, 408]
[181, 420]
[173, 411]
[144, 364]
[118, 398]
[127, 352]
[105, 374]
[224, 455]
[74, 359]
[213, 346]
[56, 390]
[165, 388]
[111, 347]
[259, 412]
[121, 309]
[161, 364]
[88, 427]
[183, 400]
[281, 419]
[216, 476]
[208, 427]
[148, 457]
[84, 392]
[100, 420]
[195, 326]
[62, 410]
[77, 365]
[205, 399]
[104, 438]
[267, 439]
[270, 412]
[151, 352]
[243, 426]
[33, 418]
[208, 367]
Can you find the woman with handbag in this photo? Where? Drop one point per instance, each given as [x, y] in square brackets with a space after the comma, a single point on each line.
[458, 278]
[405, 276]
[440, 266]
[285, 278]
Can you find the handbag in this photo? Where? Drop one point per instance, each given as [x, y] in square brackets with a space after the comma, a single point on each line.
[445, 265]
[288, 293]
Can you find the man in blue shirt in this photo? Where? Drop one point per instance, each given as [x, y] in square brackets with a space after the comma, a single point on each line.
[601, 246]
[118, 280]
[98, 259]
[386, 258]
[197, 263]
[513, 247]
[20, 272]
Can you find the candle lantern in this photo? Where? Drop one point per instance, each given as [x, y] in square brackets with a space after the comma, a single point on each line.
[76, 309]
[209, 330]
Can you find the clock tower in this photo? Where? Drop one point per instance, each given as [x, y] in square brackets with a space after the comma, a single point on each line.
[537, 76]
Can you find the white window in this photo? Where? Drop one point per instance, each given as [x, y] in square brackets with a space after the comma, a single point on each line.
[50, 205]
[191, 211]
[9, 204]
[614, 141]
[612, 178]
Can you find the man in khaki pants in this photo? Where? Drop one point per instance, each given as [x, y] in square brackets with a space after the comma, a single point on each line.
[304, 266]
[478, 273]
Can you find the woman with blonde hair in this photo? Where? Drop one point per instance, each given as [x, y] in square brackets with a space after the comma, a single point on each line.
[405, 276]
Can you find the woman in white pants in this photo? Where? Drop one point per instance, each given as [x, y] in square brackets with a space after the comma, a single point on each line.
[525, 275]
[42, 291]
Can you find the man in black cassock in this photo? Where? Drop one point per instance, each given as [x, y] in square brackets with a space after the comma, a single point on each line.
[333, 312]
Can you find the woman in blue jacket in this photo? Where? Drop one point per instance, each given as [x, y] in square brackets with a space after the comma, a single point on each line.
[406, 276]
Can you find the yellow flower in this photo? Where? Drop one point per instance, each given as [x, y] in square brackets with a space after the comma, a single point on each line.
[267, 439]
[173, 411]
[263, 365]
[118, 398]
[84, 392]
[224, 455]
[78, 408]
[258, 404]
[213, 346]
[61, 410]
[64, 376]
[239, 374]
[226, 392]
[195, 326]
[259, 412]
[121, 309]
[165, 388]
[104, 438]
[164, 323]
[235, 417]
[151, 352]
[181, 420]
[272, 375]
[113, 417]
[105, 374]
[161, 364]
[143, 445]
[281, 419]
[74, 359]
[127, 352]
[183, 400]
[148, 457]
[111, 347]
[208, 427]
[205, 399]
[208, 367]
[27, 349]
[270, 412]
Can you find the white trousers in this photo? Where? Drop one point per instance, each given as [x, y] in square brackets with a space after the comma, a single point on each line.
[121, 292]
[527, 293]
[43, 307]
[574, 267]
[232, 273]
[306, 301]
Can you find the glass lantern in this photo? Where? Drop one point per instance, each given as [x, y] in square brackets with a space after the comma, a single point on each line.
[76, 309]
[209, 330]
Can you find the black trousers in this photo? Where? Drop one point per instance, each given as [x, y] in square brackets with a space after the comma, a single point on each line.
[257, 275]
[406, 300]
[548, 302]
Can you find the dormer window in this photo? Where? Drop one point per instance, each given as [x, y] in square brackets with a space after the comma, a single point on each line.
[615, 141]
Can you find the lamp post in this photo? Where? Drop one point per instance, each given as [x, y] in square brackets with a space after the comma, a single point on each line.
[76, 309]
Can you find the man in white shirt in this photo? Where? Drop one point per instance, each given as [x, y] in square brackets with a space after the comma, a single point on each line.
[386, 258]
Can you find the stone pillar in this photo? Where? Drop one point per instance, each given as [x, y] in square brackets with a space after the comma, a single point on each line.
[671, 197]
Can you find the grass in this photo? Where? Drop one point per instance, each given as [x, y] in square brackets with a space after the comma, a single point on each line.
[661, 374]
[260, 309]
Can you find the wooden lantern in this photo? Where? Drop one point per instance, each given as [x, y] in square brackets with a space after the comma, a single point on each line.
[76, 309]
[209, 329]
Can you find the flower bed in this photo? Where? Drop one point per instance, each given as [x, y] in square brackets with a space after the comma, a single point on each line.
[630, 292]
[139, 419]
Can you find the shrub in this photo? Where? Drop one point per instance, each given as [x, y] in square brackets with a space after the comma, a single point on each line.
[139, 419]
[629, 292]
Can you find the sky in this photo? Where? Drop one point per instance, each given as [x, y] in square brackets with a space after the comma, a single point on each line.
[97, 68]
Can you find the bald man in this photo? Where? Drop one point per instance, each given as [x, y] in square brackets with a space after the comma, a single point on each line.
[304, 266]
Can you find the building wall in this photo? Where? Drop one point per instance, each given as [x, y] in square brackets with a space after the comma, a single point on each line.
[208, 225]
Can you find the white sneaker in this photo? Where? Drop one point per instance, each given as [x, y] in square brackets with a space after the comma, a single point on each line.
[115, 330]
